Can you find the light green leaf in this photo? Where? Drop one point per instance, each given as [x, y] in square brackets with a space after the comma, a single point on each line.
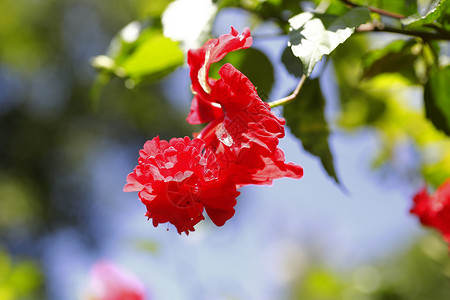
[435, 11]
[137, 52]
[305, 117]
[156, 55]
[313, 36]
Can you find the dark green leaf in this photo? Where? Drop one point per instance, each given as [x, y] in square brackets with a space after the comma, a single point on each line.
[305, 117]
[293, 64]
[396, 57]
[437, 100]
[312, 36]
[254, 64]
[435, 11]
[445, 18]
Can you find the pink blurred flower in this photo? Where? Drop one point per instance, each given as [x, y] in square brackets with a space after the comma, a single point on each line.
[108, 282]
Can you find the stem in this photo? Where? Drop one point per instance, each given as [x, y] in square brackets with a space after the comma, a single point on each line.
[291, 97]
[422, 34]
[376, 10]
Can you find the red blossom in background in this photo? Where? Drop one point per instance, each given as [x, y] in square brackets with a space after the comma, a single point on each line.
[434, 210]
[108, 282]
[176, 180]
[203, 107]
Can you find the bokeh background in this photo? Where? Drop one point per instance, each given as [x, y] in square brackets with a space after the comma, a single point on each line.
[64, 157]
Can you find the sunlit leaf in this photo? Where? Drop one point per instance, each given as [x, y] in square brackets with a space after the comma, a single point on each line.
[433, 13]
[437, 100]
[139, 53]
[189, 22]
[305, 117]
[312, 36]
[157, 55]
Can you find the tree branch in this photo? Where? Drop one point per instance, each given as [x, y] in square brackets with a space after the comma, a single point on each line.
[443, 35]
[376, 10]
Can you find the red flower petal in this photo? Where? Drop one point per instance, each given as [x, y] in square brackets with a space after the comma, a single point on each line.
[434, 210]
[203, 108]
[176, 180]
[245, 140]
[219, 199]
[203, 111]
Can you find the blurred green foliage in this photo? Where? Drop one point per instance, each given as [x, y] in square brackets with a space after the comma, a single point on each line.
[419, 273]
[19, 280]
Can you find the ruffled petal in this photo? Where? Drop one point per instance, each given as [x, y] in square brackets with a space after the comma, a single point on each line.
[245, 141]
[177, 180]
[200, 60]
[203, 111]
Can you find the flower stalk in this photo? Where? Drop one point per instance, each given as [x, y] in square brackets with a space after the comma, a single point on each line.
[291, 97]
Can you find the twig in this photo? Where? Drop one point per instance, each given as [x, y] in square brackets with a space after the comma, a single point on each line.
[422, 34]
[376, 10]
[291, 97]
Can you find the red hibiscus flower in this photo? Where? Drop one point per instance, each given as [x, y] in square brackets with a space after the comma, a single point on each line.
[434, 210]
[176, 180]
[108, 282]
[245, 138]
[204, 108]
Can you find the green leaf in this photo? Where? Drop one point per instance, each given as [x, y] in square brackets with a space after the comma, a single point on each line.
[397, 57]
[312, 36]
[305, 117]
[254, 64]
[437, 100]
[140, 53]
[435, 11]
[293, 64]
[155, 56]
